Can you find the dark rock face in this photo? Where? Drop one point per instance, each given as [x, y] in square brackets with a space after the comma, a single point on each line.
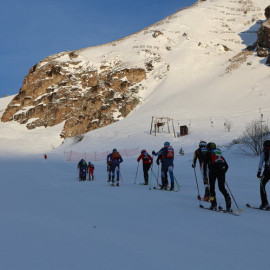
[263, 41]
[267, 13]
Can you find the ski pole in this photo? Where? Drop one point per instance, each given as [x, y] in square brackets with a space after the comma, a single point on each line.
[198, 196]
[151, 178]
[262, 186]
[240, 210]
[120, 175]
[178, 186]
[136, 173]
[158, 176]
[154, 173]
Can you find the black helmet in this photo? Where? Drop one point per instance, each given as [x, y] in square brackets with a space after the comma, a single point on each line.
[114, 150]
[202, 144]
[211, 146]
[266, 144]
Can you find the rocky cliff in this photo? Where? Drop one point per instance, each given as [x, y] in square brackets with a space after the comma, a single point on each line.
[263, 42]
[84, 97]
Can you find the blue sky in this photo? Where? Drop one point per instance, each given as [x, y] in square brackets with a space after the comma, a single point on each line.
[31, 30]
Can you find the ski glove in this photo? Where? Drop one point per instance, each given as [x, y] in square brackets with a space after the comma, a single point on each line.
[193, 165]
[153, 152]
[259, 174]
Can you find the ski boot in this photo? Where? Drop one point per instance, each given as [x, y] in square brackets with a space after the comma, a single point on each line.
[206, 194]
[172, 187]
[228, 203]
[264, 206]
[112, 184]
[213, 203]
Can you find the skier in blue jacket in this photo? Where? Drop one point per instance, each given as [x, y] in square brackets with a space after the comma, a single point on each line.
[82, 166]
[113, 160]
[167, 166]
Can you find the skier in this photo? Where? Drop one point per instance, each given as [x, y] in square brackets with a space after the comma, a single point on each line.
[217, 166]
[168, 152]
[147, 163]
[164, 178]
[264, 178]
[82, 166]
[200, 154]
[114, 159]
[90, 170]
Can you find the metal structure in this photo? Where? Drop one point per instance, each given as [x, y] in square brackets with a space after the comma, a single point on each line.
[158, 122]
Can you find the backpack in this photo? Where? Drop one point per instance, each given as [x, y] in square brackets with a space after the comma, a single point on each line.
[145, 156]
[202, 153]
[115, 155]
[217, 157]
[169, 152]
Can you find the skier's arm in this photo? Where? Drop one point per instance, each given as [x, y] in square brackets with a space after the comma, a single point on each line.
[260, 165]
[161, 151]
[139, 158]
[226, 166]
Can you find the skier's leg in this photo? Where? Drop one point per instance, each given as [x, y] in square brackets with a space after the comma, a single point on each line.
[212, 182]
[265, 179]
[170, 169]
[223, 190]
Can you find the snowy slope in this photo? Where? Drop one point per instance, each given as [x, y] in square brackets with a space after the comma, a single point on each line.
[49, 220]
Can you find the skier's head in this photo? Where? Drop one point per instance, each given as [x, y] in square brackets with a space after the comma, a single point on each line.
[114, 150]
[202, 144]
[166, 144]
[143, 151]
[211, 146]
[266, 144]
[89, 163]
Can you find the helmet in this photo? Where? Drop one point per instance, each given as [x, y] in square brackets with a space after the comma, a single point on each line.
[166, 144]
[143, 151]
[211, 146]
[202, 144]
[266, 144]
[114, 150]
[89, 163]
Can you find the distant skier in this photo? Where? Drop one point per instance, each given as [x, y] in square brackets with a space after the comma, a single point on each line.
[217, 166]
[264, 178]
[82, 166]
[200, 154]
[147, 163]
[90, 170]
[114, 159]
[164, 177]
[168, 153]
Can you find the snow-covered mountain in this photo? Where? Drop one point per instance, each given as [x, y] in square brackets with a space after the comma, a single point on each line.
[193, 67]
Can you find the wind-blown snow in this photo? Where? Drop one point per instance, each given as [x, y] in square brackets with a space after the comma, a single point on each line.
[49, 220]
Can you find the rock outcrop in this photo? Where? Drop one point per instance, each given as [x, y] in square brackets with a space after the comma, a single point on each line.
[84, 97]
[263, 41]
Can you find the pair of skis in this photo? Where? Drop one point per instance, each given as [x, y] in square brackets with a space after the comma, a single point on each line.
[165, 189]
[235, 213]
[220, 210]
[258, 208]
